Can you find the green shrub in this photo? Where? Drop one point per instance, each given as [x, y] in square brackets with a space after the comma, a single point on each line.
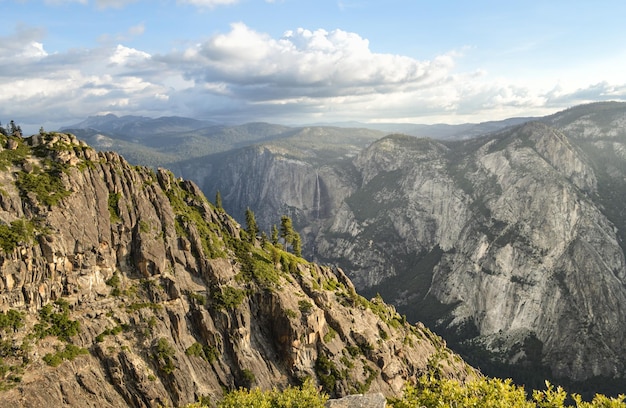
[207, 353]
[69, 353]
[228, 297]
[47, 185]
[430, 391]
[200, 299]
[11, 320]
[305, 396]
[52, 323]
[19, 231]
[305, 306]
[164, 353]
[327, 373]
[330, 335]
[248, 377]
[114, 209]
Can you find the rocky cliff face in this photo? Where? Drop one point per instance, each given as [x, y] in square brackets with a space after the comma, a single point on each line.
[512, 243]
[120, 286]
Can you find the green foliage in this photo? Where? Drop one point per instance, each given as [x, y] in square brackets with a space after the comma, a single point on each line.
[330, 335]
[69, 353]
[12, 156]
[56, 323]
[12, 320]
[248, 377]
[144, 226]
[190, 212]
[114, 209]
[289, 235]
[305, 396]
[228, 297]
[110, 332]
[164, 353]
[135, 306]
[430, 391]
[115, 283]
[47, 185]
[327, 373]
[207, 353]
[19, 231]
[305, 306]
[197, 297]
[297, 244]
[218, 201]
[251, 225]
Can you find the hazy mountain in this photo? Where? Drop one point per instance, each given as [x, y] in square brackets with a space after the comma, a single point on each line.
[511, 243]
[437, 131]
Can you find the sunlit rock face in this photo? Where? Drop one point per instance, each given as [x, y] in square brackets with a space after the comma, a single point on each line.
[511, 243]
[163, 298]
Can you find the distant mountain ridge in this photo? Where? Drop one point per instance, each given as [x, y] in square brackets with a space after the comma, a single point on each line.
[511, 243]
[166, 141]
[437, 131]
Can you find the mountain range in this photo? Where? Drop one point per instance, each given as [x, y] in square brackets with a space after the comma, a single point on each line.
[123, 286]
[507, 241]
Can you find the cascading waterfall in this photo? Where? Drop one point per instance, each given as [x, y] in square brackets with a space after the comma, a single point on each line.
[317, 196]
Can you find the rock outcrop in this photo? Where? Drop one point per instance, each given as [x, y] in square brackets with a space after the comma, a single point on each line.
[511, 244]
[121, 286]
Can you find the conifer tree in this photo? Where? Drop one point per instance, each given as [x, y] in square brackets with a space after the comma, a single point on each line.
[297, 245]
[286, 230]
[274, 235]
[251, 226]
[218, 201]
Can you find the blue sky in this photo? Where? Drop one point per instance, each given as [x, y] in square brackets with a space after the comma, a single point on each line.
[297, 61]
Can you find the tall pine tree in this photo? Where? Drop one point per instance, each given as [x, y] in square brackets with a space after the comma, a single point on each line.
[251, 226]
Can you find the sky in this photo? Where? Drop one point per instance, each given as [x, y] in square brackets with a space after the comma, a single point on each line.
[307, 61]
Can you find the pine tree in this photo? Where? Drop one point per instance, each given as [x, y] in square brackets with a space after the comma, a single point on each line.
[251, 226]
[297, 244]
[286, 230]
[218, 201]
[274, 235]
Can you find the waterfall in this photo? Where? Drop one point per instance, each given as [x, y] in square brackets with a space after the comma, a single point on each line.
[317, 195]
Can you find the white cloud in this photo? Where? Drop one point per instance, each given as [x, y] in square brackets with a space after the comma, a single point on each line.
[124, 55]
[244, 75]
[303, 61]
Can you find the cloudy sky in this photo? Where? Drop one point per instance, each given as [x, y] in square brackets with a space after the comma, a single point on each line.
[307, 61]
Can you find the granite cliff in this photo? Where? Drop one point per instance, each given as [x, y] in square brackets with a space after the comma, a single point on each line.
[121, 286]
[510, 244]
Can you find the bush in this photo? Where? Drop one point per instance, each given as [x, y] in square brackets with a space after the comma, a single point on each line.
[430, 392]
[305, 306]
[56, 323]
[228, 297]
[47, 185]
[18, 232]
[69, 353]
[306, 396]
[11, 320]
[164, 353]
[207, 353]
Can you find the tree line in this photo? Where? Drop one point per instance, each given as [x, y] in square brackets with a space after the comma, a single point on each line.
[285, 236]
